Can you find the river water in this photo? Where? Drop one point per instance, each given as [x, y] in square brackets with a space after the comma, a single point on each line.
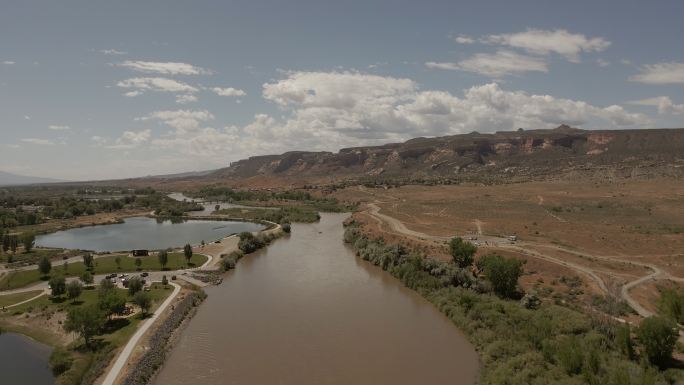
[24, 361]
[307, 311]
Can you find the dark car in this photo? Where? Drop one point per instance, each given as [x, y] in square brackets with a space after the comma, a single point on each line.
[144, 274]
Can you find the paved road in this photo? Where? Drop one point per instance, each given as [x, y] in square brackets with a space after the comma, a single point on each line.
[125, 354]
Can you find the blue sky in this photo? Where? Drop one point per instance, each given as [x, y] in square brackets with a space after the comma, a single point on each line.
[92, 90]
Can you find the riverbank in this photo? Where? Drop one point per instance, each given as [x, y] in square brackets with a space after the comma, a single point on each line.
[517, 344]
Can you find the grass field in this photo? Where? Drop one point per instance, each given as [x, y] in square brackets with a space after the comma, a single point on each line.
[102, 265]
[42, 319]
[7, 300]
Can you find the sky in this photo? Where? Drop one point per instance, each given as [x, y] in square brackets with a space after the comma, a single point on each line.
[102, 90]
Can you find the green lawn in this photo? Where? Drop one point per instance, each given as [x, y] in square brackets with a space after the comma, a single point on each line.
[104, 265]
[89, 296]
[7, 300]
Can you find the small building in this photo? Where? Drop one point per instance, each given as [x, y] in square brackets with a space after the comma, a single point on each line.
[140, 253]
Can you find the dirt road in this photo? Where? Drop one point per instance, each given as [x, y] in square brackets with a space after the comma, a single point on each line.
[525, 248]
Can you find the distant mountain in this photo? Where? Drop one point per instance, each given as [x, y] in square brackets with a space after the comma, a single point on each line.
[503, 157]
[510, 156]
[9, 179]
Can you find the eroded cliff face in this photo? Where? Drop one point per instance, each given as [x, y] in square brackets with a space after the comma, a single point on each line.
[521, 154]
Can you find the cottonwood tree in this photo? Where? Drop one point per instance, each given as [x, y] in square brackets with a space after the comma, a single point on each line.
[74, 290]
[28, 239]
[163, 257]
[57, 285]
[144, 300]
[87, 321]
[462, 251]
[88, 261]
[187, 251]
[135, 284]
[44, 266]
[87, 278]
[502, 273]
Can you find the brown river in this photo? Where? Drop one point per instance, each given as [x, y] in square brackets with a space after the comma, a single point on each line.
[307, 311]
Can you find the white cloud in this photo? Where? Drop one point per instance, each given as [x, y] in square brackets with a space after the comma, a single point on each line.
[141, 85]
[99, 140]
[495, 65]
[663, 103]
[463, 39]
[41, 142]
[181, 120]
[26, 117]
[544, 42]
[112, 52]
[602, 62]
[56, 127]
[185, 99]
[165, 68]
[131, 139]
[330, 110]
[132, 94]
[9, 62]
[229, 91]
[443, 65]
[660, 73]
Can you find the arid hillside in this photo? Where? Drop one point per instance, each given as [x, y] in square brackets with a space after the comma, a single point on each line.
[515, 156]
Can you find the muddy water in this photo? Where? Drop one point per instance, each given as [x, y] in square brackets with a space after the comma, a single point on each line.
[24, 361]
[307, 311]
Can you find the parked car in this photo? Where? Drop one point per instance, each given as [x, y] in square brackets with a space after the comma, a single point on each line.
[144, 274]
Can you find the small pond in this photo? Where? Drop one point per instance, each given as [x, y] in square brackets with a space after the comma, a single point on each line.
[143, 233]
[24, 361]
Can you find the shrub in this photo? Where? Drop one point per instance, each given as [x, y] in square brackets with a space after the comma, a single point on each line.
[502, 273]
[658, 336]
[60, 361]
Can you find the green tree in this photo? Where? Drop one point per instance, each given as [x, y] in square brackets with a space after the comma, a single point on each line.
[163, 257]
[138, 263]
[28, 239]
[287, 228]
[462, 251]
[74, 290]
[249, 243]
[502, 273]
[671, 304]
[44, 266]
[135, 284]
[187, 251]
[658, 336]
[165, 281]
[87, 278]
[144, 300]
[87, 321]
[117, 260]
[88, 261]
[57, 285]
[110, 302]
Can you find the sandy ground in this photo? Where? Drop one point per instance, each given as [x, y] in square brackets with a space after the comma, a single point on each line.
[611, 236]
